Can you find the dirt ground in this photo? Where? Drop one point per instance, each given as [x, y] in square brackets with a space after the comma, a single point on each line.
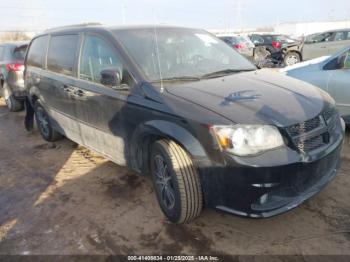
[63, 199]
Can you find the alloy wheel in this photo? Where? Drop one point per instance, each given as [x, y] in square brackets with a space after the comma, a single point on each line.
[291, 60]
[43, 122]
[164, 183]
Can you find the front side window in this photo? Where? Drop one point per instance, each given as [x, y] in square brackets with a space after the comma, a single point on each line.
[168, 53]
[62, 53]
[326, 37]
[98, 58]
[346, 59]
[37, 51]
[340, 62]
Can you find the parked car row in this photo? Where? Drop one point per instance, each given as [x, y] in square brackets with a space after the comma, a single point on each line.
[11, 74]
[284, 50]
[181, 105]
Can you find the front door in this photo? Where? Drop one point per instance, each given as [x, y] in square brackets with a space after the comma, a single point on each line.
[341, 40]
[316, 46]
[100, 103]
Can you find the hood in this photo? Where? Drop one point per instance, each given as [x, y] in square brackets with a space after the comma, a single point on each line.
[258, 97]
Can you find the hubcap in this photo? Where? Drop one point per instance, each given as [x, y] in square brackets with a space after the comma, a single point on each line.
[164, 183]
[43, 121]
[291, 60]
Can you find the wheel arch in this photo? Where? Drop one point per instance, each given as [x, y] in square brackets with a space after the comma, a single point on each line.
[295, 51]
[149, 132]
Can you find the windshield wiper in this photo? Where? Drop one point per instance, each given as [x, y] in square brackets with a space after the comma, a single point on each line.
[225, 72]
[178, 78]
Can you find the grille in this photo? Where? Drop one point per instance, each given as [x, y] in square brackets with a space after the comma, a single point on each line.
[304, 127]
[314, 133]
[311, 144]
[328, 114]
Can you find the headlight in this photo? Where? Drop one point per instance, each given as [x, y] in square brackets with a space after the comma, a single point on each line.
[243, 140]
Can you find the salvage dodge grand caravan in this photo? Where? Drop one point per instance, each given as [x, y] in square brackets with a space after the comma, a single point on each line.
[180, 104]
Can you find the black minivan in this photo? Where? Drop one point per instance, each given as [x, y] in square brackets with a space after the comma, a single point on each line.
[183, 106]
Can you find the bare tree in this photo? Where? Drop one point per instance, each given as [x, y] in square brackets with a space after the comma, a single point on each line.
[13, 36]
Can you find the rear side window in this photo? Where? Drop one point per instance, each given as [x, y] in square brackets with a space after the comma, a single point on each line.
[20, 52]
[37, 52]
[257, 39]
[62, 54]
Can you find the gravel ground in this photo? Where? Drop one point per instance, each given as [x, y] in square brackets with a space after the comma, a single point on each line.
[63, 199]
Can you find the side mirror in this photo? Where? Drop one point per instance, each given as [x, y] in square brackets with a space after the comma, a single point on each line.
[111, 77]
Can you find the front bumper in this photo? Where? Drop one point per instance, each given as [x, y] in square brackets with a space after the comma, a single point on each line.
[262, 191]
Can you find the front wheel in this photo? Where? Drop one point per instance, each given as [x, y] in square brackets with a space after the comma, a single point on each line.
[12, 103]
[176, 182]
[291, 58]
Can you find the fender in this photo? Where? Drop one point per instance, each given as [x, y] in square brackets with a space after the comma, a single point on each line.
[142, 137]
[29, 108]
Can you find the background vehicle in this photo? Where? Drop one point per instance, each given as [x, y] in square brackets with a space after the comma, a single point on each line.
[241, 43]
[186, 108]
[326, 43]
[332, 74]
[274, 45]
[11, 74]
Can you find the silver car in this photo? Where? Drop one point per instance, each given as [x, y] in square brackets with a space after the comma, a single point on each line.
[330, 73]
[326, 43]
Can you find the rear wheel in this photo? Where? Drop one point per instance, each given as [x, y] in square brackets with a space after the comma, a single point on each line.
[12, 103]
[44, 124]
[176, 182]
[291, 58]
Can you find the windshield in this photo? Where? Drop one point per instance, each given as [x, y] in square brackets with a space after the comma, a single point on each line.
[165, 53]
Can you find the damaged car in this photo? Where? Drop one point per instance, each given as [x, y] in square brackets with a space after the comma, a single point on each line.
[183, 106]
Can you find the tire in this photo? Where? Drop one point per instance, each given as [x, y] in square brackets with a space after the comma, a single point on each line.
[12, 103]
[179, 178]
[44, 124]
[291, 58]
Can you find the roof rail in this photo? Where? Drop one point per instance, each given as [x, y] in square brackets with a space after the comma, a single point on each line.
[73, 26]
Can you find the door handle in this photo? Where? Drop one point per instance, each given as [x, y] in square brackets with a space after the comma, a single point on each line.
[67, 88]
[79, 92]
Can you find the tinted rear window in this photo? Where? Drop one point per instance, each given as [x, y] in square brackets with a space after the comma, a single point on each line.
[62, 53]
[20, 52]
[37, 52]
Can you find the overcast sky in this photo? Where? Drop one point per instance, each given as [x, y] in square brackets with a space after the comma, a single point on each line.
[39, 14]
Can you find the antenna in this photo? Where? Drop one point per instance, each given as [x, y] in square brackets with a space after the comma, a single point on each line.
[158, 58]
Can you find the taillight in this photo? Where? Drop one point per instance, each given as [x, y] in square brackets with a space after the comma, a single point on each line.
[238, 46]
[15, 67]
[276, 44]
